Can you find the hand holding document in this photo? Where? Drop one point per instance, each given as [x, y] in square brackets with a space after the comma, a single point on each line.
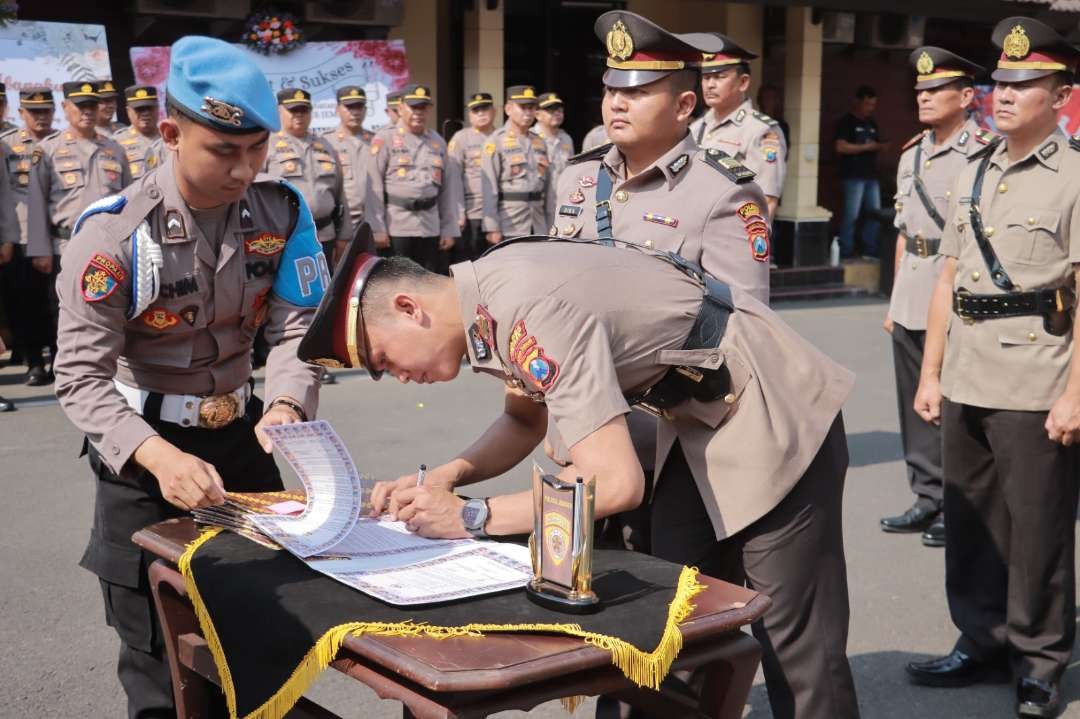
[374, 555]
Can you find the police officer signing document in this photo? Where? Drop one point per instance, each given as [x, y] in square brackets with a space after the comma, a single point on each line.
[1001, 375]
[161, 293]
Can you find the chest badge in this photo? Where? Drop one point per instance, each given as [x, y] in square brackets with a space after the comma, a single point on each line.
[174, 225]
[266, 244]
[159, 319]
[189, 314]
[577, 197]
[586, 181]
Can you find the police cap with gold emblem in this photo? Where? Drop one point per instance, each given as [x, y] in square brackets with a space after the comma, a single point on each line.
[478, 100]
[393, 98]
[218, 85]
[351, 95]
[105, 89]
[294, 97]
[639, 51]
[80, 92]
[336, 336]
[416, 94]
[550, 101]
[731, 55]
[1031, 49]
[38, 97]
[936, 67]
[138, 96]
[522, 94]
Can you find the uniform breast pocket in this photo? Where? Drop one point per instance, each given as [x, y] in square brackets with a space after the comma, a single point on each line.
[904, 185]
[515, 167]
[325, 165]
[728, 380]
[289, 165]
[112, 172]
[164, 334]
[71, 174]
[1032, 237]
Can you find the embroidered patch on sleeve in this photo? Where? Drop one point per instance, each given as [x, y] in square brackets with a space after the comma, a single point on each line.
[101, 276]
[541, 370]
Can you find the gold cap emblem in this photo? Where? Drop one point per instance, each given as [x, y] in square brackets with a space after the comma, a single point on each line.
[477, 97]
[528, 92]
[619, 43]
[108, 87]
[223, 111]
[421, 92]
[36, 97]
[354, 93]
[1016, 45]
[298, 95]
[925, 64]
[86, 88]
[140, 94]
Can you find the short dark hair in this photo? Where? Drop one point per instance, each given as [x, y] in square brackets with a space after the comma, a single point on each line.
[864, 91]
[390, 275]
[684, 80]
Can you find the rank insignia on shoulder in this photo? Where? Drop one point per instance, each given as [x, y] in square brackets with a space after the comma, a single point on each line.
[101, 276]
[728, 166]
[266, 244]
[541, 370]
[159, 319]
[765, 118]
[665, 220]
[986, 137]
[570, 210]
[1048, 150]
[594, 154]
[914, 141]
[678, 164]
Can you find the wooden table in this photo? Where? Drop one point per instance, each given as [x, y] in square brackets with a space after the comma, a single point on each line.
[475, 677]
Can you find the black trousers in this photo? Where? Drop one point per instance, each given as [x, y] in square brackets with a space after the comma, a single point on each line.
[25, 294]
[921, 440]
[424, 251]
[128, 502]
[1010, 522]
[471, 244]
[795, 555]
[54, 304]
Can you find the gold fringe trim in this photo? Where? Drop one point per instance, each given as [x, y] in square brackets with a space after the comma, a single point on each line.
[571, 704]
[644, 669]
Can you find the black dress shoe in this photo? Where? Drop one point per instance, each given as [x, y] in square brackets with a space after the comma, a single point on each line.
[327, 378]
[934, 536]
[916, 519]
[6, 405]
[1037, 698]
[36, 376]
[955, 670]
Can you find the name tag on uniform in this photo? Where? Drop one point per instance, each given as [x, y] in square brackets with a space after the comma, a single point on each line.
[569, 210]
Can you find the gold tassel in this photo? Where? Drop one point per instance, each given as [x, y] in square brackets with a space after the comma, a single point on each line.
[644, 669]
[571, 704]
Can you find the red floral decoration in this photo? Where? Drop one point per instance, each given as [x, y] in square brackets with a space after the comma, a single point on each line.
[276, 33]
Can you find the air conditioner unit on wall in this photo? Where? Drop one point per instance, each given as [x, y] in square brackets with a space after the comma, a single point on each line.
[891, 31]
[216, 9]
[385, 13]
[838, 27]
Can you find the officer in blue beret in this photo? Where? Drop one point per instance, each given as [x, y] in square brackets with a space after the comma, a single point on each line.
[160, 299]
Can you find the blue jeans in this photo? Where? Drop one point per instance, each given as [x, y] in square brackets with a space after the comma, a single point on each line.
[860, 195]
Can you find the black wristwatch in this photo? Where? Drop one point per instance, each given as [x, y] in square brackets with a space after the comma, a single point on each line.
[474, 515]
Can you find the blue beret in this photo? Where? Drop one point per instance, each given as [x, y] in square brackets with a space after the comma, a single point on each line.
[220, 86]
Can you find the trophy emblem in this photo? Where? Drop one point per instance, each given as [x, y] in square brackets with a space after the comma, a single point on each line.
[561, 544]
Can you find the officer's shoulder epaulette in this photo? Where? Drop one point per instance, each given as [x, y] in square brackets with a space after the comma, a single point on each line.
[1074, 142]
[758, 115]
[121, 214]
[8, 132]
[914, 140]
[594, 154]
[727, 166]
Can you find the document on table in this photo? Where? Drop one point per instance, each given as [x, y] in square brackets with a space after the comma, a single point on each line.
[335, 492]
[379, 557]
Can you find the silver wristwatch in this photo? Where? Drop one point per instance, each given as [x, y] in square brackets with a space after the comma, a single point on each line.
[474, 515]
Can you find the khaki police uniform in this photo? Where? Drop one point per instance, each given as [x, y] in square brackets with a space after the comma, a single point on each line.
[311, 165]
[9, 220]
[1011, 493]
[936, 167]
[517, 187]
[411, 195]
[353, 152]
[19, 156]
[143, 153]
[584, 341]
[751, 137]
[701, 206]
[465, 156]
[160, 304]
[560, 148]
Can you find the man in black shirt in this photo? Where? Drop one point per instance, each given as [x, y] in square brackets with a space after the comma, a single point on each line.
[858, 143]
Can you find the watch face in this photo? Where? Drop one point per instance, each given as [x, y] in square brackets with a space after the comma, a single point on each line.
[469, 515]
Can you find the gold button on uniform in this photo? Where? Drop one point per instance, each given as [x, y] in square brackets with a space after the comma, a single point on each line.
[729, 398]
[622, 196]
[926, 164]
[1003, 188]
[1031, 337]
[1031, 220]
[948, 193]
[989, 231]
[975, 276]
[569, 229]
[648, 243]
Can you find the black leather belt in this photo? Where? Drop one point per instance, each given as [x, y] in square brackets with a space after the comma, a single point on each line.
[324, 222]
[921, 246]
[521, 196]
[412, 204]
[1013, 304]
[64, 233]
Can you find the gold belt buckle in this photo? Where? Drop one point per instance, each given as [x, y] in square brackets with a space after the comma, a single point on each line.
[968, 320]
[218, 411]
[921, 246]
